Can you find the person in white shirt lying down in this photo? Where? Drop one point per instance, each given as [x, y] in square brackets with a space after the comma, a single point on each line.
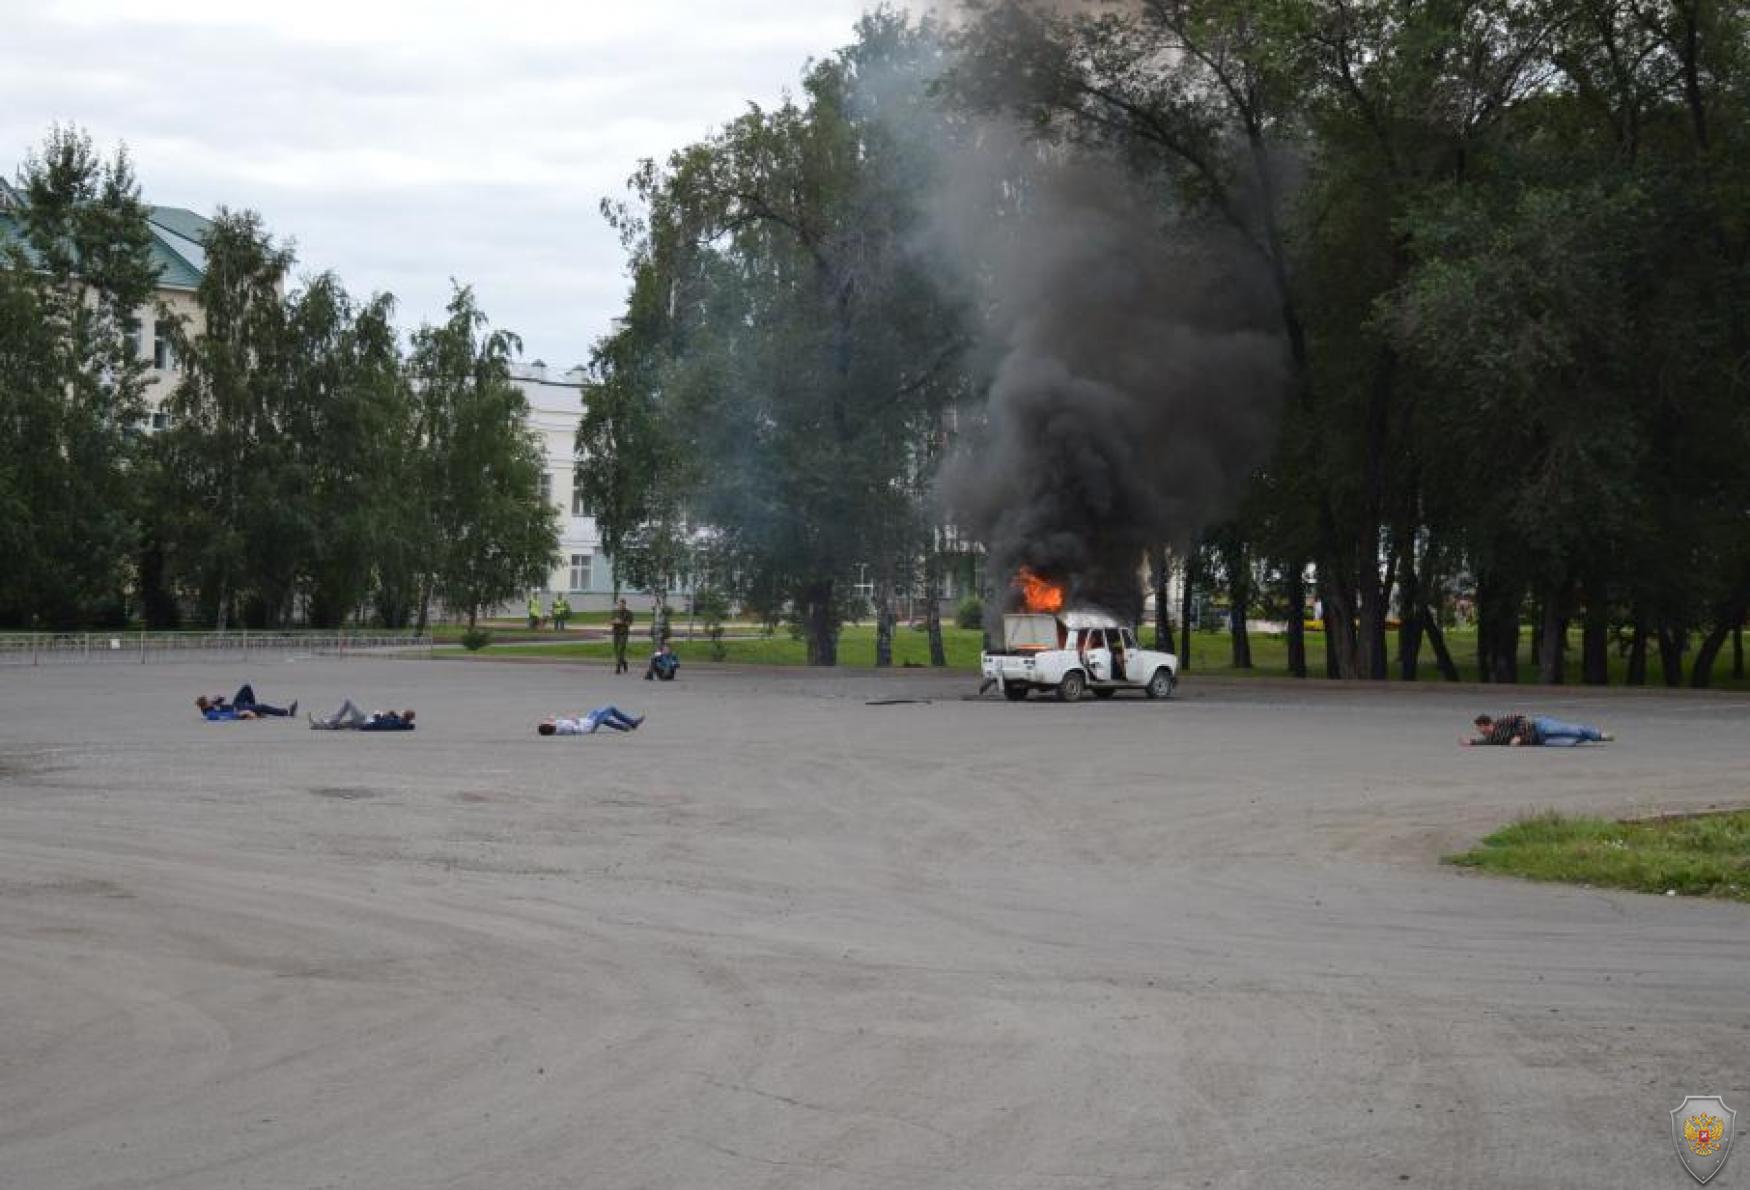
[609, 717]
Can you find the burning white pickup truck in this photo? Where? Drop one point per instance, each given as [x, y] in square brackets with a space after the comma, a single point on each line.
[1075, 652]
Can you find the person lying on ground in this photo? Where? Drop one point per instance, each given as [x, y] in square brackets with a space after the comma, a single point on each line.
[663, 664]
[610, 717]
[1533, 731]
[216, 708]
[350, 717]
[389, 721]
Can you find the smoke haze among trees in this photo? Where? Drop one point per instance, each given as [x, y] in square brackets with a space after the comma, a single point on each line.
[1414, 314]
[1489, 257]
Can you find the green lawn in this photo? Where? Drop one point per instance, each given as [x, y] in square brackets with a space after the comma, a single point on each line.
[518, 629]
[1211, 652]
[1700, 857]
[856, 648]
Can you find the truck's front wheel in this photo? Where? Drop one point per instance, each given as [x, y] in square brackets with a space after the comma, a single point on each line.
[1072, 686]
[1014, 691]
[1160, 683]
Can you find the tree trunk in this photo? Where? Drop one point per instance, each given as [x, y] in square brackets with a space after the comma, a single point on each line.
[222, 605]
[1637, 652]
[884, 617]
[1242, 641]
[1595, 638]
[1738, 651]
[818, 626]
[1553, 645]
[1372, 596]
[1672, 642]
[1409, 615]
[1295, 593]
[1341, 655]
[1372, 605]
[1437, 641]
[1497, 631]
[1727, 621]
[933, 605]
[1190, 581]
[1239, 595]
[1157, 561]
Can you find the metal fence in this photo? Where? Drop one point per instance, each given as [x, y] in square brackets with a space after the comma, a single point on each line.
[139, 648]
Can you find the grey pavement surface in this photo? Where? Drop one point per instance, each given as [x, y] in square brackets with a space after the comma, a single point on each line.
[780, 938]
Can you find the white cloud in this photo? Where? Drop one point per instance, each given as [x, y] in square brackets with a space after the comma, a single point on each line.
[401, 144]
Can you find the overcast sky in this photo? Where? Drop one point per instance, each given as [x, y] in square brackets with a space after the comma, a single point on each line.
[401, 144]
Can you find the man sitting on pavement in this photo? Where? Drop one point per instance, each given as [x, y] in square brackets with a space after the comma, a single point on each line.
[663, 664]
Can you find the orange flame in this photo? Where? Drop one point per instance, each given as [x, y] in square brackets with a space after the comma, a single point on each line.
[1038, 594]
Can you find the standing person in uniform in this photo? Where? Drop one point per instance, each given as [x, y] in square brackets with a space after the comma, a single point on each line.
[534, 611]
[561, 611]
[622, 636]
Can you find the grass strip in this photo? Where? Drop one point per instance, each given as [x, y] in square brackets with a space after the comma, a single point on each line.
[856, 649]
[1702, 856]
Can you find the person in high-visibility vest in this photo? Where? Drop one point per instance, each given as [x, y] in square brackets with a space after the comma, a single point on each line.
[561, 611]
[534, 611]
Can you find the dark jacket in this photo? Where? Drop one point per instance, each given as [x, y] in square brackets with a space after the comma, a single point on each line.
[390, 722]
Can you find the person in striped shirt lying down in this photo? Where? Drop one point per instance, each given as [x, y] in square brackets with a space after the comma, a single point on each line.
[1532, 731]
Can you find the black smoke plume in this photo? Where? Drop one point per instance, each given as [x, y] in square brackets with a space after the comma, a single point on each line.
[1136, 372]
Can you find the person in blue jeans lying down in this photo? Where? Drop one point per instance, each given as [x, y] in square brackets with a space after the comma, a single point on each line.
[242, 705]
[1519, 731]
[612, 718]
[350, 717]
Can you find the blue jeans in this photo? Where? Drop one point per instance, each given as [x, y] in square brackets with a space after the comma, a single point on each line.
[1556, 734]
[245, 701]
[612, 717]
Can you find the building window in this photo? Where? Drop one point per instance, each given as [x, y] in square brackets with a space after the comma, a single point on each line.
[131, 337]
[580, 566]
[579, 506]
[163, 355]
[547, 487]
[160, 420]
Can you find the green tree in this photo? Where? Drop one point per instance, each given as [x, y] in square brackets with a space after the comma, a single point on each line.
[236, 526]
[789, 335]
[75, 271]
[351, 416]
[628, 468]
[489, 533]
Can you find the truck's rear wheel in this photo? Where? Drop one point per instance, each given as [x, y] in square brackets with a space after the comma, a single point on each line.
[1014, 691]
[1072, 686]
[1160, 683]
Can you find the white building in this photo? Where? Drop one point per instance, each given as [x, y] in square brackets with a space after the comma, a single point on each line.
[555, 408]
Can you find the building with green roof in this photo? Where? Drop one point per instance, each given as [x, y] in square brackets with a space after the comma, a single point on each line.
[179, 254]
